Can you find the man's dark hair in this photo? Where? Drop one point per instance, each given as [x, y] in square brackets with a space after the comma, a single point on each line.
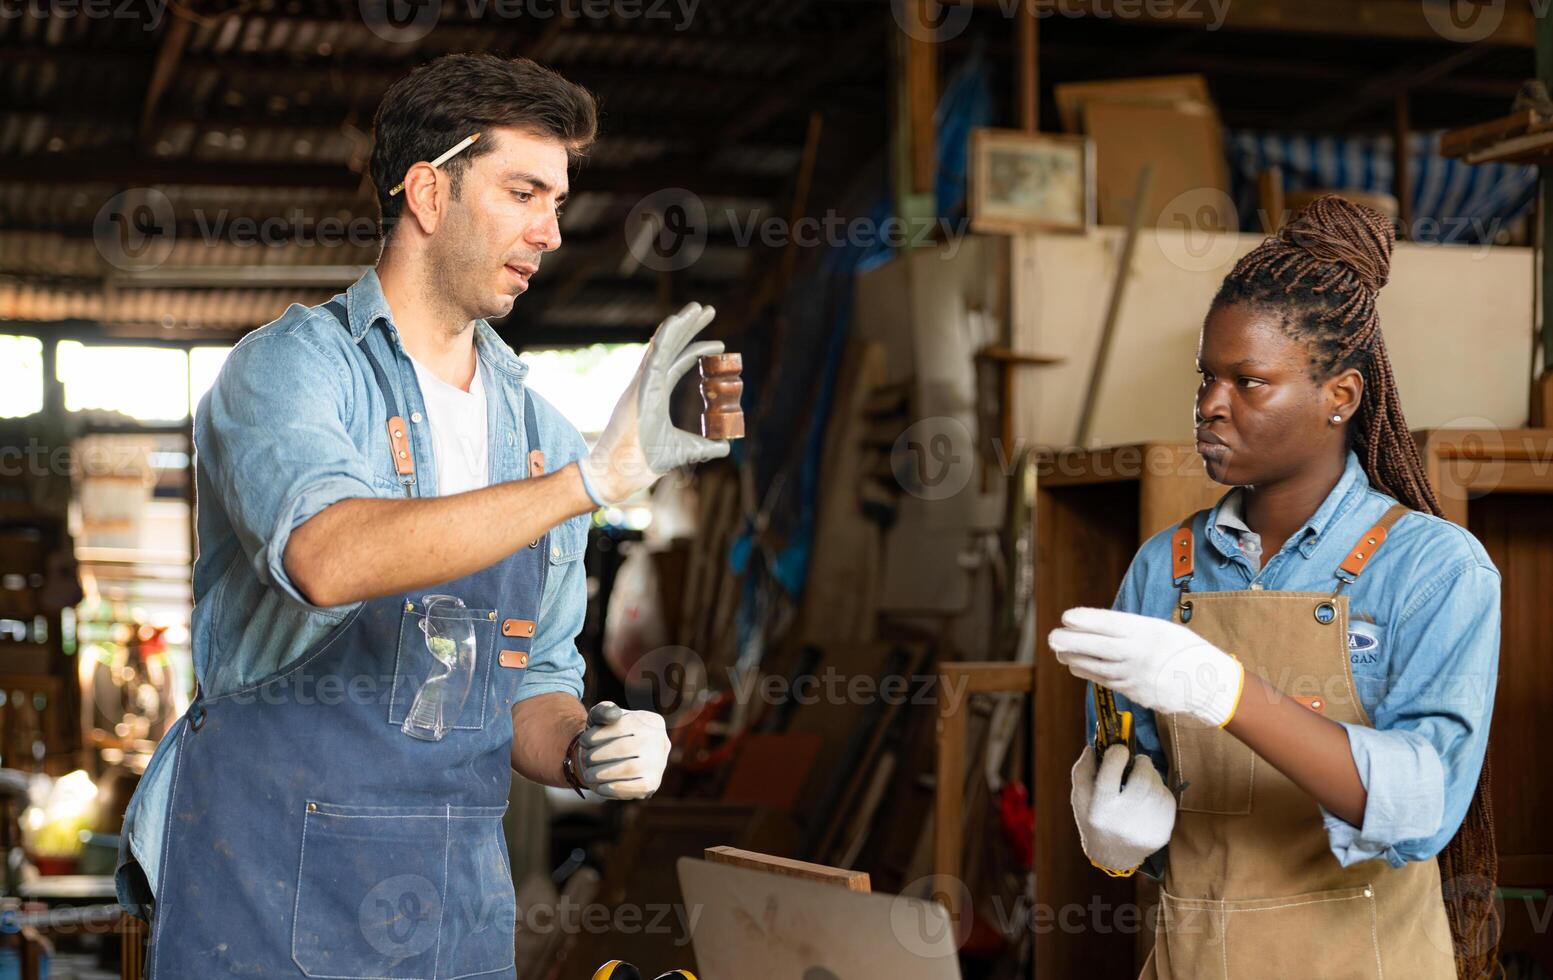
[438, 105]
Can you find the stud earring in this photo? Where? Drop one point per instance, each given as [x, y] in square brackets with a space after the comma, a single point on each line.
[1337, 419]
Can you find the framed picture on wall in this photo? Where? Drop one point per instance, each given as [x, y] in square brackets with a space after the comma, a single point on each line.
[1031, 181]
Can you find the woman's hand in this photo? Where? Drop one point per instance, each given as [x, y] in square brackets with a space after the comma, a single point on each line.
[1120, 826]
[1152, 662]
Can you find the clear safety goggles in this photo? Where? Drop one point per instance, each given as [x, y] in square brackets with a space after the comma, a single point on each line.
[449, 628]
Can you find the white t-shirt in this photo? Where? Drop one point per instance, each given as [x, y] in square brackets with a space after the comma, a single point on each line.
[457, 421]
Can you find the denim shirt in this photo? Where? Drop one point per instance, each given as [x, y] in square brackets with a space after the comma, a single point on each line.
[296, 422]
[1423, 643]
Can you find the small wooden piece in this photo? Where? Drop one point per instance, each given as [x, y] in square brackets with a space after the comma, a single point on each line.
[721, 387]
[856, 881]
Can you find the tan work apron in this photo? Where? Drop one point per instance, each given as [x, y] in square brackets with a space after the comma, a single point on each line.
[1252, 889]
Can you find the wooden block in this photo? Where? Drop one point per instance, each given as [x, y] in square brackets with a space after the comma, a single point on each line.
[856, 881]
[1166, 89]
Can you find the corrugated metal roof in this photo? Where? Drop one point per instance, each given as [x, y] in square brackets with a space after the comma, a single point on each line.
[294, 83]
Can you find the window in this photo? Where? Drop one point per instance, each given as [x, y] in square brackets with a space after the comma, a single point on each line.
[204, 364]
[583, 383]
[149, 384]
[21, 376]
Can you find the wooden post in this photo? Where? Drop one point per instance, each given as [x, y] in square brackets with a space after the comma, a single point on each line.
[1028, 96]
[1545, 178]
[1402, 185]
[922, 96]
[957, 682]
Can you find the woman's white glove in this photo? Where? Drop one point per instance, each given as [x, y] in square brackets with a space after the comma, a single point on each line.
[623, 753]
[1152, 662]
[1120, 826]
[640, 443]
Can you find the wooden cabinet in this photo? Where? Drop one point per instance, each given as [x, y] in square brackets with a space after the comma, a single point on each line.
[1093, 510]
[1498, 483]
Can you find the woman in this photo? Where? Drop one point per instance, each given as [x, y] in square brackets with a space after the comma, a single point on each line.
[1313, 659]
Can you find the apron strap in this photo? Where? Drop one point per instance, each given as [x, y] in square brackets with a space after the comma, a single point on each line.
[398, 432]
[1183, 558]
[1359, 556]
[536, 452]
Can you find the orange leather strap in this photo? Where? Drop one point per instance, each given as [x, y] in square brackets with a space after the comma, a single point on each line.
[1359, 556]
[399, 441]
[1181, 552]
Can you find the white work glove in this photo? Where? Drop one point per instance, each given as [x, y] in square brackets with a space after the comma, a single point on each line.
[1120, 826]
[623, 753]
[640, 444]
[1152, 662]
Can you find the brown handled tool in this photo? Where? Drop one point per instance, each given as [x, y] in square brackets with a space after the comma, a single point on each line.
[721, 387]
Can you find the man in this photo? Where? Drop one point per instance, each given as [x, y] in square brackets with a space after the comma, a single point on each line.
[389, 582]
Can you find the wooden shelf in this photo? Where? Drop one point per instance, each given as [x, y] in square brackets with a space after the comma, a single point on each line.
[1522, 137]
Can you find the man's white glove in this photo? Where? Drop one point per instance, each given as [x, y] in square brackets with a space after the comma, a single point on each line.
[1120, 826]
[623, 753]
[640, 444]
[1152, 662]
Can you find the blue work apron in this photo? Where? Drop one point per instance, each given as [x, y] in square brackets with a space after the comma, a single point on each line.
[309, 836]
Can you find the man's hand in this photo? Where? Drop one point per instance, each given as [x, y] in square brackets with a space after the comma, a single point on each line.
[640, 444]
[1152, 662]
[623, 752]
[1119, 827]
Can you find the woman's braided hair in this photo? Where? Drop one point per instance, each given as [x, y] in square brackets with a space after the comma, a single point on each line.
[1320, 275]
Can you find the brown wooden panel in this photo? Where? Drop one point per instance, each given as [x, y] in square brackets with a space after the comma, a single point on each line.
[1086, 537]
[1517, 531]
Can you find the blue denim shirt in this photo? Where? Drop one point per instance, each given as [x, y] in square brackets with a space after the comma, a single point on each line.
[296, 422]
[1423, 641]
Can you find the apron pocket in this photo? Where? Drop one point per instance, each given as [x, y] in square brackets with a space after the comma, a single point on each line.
[370, 888]
[482, 912]
[403, 893]
[1217, 767]
[413, 664]
[1327, 934]
[1317, 934]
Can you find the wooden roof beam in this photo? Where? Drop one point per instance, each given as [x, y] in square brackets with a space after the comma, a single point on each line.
[1511, 23]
